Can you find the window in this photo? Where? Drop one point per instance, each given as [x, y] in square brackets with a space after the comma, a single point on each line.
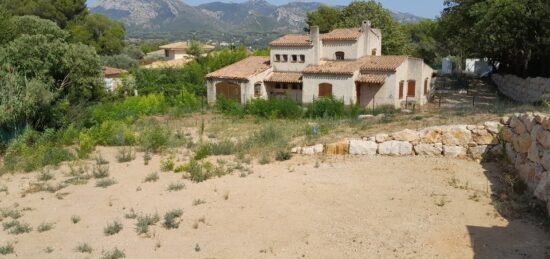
[258, 90]
[277, 58]
[294, 86]
[294, 58]
[411, 88]
[325, 90]
[302, 58]
[426, 86]
[278, 86]
[285, 86]
[373, 53]
[285, 58]
[339, 55]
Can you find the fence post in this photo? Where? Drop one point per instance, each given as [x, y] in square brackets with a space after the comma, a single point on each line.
[474, 100]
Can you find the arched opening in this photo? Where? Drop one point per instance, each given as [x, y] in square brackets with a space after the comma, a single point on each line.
[258, 89]
[229, 91]
[339, 55]
[325, 90]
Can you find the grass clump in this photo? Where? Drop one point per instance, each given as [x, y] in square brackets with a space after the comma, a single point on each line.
[10, 213]
[100, 171]
[283, 155]
[167, 164]
[174, 187]
[114, 254]
[7, 249]
[274, 108]
[152, 177]
[326, 108]
[144, 222]
[125, 154]
[172, 219]
[83, 248]
[112, 228]
[201, 152]
[154, 138]
[16, 227]
[105, 182]
[197, 202]
[99, 160]
[75, 219]
[131, 215]
[146, 157]
[43, 227]
[44, 175]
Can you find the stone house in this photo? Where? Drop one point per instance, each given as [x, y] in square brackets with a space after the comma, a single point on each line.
[178, 50]
[344, 63]
[113, 77]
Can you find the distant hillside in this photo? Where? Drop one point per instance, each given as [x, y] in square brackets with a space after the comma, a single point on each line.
[166, 18]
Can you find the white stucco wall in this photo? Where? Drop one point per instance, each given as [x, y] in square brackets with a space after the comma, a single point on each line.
[350, 49]
[374, 41]
[342, 87]
[176, 54]
[289, 66]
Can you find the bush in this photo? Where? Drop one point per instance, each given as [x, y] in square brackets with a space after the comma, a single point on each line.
[125, 154]
[229, 107]
[131, 109]
[167, 164]
[326, 108]
[144, 221]
[154, 138]
[225, 147]
[112, 133]
[112, 228]
[274, 108]
[171, 219]
[202, 151]
[283, 155]
[7, 249]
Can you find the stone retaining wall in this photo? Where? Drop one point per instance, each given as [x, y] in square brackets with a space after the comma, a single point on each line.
[528, 90]
[523, 139]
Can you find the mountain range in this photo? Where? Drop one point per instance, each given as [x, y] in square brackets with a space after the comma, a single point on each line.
[253, 23]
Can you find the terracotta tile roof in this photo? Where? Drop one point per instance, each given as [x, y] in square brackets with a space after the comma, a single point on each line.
[382, 63]
[111, 71]
[333, 67]
[183, 45]
[292, 40]
[284, 77]
[169, 64]
[342, 34]
[371, 78]
[243, 69]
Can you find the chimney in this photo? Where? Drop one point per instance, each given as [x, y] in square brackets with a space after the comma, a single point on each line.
[315, 38]
[365, 29]
[365, 26]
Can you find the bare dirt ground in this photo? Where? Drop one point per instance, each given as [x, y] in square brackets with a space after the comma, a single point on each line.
[339, 207]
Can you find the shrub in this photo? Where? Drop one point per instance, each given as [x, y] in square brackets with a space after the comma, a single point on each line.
[152, 177]
[100, 171]
[112, 133]
[99, 160]
[125, 154]
[225, 147]
[44, 175]
[15, 227]
[86, 144]
[7, 249]
[174, 187]
[131, 109]
[283, 155]
[115, 254]
[104, 183]
[83, 248]
[197, 172]
[274, 108]
[171, 219]
[154, 138]
[326, 108]
[112, 228]
[202, 151]
[144, 221]
[229, 107]
[43, 227]
[167, 164]
[75, 219]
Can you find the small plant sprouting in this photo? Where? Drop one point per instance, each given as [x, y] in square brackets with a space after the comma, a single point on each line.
[152, 177]
[44, 227]
[48, 250]
[100, 171]
[147, 157]
[99, 160]
[174, 187]
[143, 223]
[15, 227]
[75, 219]
[125, 154]
[130, 215]
[283, 155]
[7, 249]
[83, 248]
[172, 219]
[167, 164]
[112, 228]
[104, 183]
[197, 202]
[115, 254]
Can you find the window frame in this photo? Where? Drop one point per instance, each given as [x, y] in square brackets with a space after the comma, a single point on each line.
[285, 58]
[340, 55]
[302, 59]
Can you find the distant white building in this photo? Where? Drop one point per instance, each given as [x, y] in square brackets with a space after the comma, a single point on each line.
[113, 77]
[178, 50]
[446, 66]
[478, 66]
[344, 63]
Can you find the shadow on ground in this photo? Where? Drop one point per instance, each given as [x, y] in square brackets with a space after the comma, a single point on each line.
[524, 213]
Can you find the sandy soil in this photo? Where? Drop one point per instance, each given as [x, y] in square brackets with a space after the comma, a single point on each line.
[344, 207]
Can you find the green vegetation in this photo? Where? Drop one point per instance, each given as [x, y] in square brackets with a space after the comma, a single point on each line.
[83, 248]
[114, 254]
[7, 249]
[172, 219]
[152, 177]
[75, 219]
[16, 227]
[174, 187]
[112, 228]
[105, 182]
[144, 221]
[45, 226]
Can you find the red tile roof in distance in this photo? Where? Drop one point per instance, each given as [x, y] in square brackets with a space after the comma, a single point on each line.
[243, 69]
[296, 40]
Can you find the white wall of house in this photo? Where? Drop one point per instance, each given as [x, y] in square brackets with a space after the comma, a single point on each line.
[380, 95]
[290, 66]
[350, 49]
[176, 54]
[343, 87]
[374, 41]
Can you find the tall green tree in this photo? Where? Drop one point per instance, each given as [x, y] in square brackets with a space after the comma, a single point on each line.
[59, 11]
[195, 49]
[105, 35]
[325, 17]
[423, 43]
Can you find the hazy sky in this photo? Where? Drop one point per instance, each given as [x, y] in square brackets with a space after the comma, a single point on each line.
[423, 8]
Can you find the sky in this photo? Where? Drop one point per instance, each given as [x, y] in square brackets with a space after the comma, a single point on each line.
[422, 8]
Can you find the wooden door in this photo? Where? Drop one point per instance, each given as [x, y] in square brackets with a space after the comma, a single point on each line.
[358, 91]
[401, 89]
[425, 86]
[325, 90]
[411, 88]
[229, 91]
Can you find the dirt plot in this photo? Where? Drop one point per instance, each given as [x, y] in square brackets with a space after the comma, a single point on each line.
[343, 207]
